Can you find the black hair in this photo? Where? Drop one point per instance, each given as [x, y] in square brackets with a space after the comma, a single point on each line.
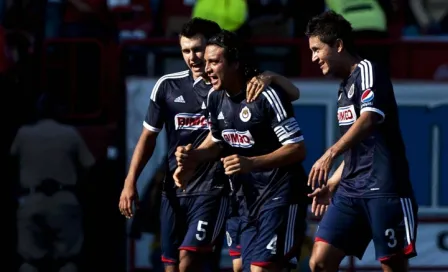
[200, 26]
[330, 26]
[234, 52]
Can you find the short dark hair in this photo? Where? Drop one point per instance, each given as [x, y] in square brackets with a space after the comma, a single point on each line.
[200, 26]
[234, 51]
[330, 26]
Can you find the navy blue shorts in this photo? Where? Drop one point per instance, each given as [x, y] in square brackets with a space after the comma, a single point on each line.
[233, 226]
[194, 223]
[351, 223]
[276, 236]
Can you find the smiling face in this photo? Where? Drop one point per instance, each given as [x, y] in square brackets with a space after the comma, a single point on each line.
[218, 69]
[193, 53]
[328, 57]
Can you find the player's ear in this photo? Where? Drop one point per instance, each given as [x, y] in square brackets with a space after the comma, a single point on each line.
[339, 44]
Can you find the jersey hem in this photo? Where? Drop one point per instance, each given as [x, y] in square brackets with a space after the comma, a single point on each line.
[182, 194]
[374, 196]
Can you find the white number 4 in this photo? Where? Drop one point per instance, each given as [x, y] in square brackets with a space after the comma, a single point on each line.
[390, 233]
[201, 231]
[272, 245]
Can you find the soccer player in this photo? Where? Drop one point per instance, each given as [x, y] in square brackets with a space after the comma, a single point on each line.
[263, 149]
[192, 217]
[372, 196]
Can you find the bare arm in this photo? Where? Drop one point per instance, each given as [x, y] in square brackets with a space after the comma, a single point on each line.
[335, 179]
[142, 153]
[285, 155]
[358, 132]
[291, 90]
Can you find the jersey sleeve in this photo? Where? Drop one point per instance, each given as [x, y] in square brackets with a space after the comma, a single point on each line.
[154, 119]
[212, 117]
[281, 115]
[373, 87]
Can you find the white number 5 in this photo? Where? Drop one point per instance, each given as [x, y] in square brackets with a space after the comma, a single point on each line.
[390, 233]
[201, 231]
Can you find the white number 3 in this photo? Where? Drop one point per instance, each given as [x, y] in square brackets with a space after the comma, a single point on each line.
[390, 233]
[201, 231]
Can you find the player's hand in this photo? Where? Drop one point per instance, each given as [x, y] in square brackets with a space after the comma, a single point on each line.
[256, 85]
[236, 164]
[321, 200]
[181, 177]
[320, 170]
[129, 196]
[183, 156]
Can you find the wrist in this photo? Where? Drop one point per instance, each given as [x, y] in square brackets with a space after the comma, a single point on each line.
[332, 185]
[194, 157]
[130, 182]
[334, 152]
[254, 163]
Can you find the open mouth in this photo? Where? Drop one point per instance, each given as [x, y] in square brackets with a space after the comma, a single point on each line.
[213, 79]
[196, 66]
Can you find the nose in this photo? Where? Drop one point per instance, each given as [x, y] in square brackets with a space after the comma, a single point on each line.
[208, 69]
[314, 57]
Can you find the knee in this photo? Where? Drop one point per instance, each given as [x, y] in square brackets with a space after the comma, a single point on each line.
[317, 264]
[237, 265]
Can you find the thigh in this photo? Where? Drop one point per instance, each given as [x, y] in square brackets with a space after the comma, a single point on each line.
[394, 226]
[248, 238]
[33, 241]
[274, 236]
[233, 236]
[66, 224]
[345, 226]
[205, 222]
[172, 228]
[295, 232]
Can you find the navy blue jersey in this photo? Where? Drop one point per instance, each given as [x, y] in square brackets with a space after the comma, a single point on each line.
[179, 102]
[256, 129]
[377, 166]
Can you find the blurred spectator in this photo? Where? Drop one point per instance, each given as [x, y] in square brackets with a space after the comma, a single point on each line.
[431, 16]
[49, 218]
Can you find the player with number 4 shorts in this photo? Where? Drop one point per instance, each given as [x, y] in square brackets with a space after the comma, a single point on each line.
[261, 146]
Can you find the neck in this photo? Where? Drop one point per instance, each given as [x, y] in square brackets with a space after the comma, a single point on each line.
[235, 87]
[350, 66]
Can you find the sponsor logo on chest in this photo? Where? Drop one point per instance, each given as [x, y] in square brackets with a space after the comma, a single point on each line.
[346, 115]
[242, 139]
[190, 121]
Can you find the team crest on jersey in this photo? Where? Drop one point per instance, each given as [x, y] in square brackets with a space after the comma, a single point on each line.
[367, 96]
[245, 114]
[351, 91]
[242, 139]
[190, 121]
[346, 115]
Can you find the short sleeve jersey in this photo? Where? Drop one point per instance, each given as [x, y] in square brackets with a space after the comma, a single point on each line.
[255, 129]
[377, 166]
[178, 102]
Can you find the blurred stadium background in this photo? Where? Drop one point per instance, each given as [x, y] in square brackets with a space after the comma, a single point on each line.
[102, 58]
